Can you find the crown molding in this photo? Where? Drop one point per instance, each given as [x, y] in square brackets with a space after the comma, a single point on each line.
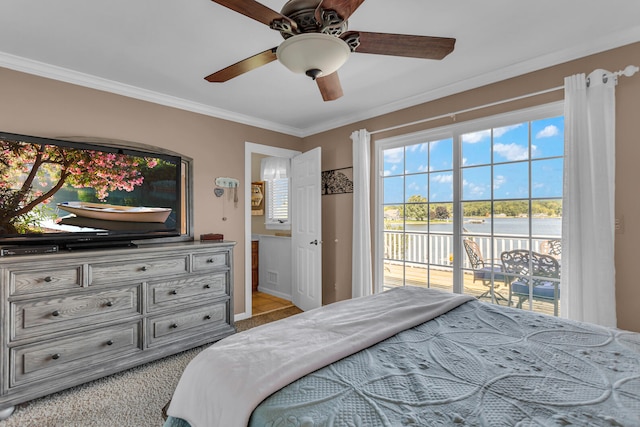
[42, 69]
[588, 48]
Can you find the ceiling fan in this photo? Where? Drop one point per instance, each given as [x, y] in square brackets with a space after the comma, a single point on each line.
[317, 41]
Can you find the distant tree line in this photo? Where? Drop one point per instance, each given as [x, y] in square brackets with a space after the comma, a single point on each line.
[418, 209]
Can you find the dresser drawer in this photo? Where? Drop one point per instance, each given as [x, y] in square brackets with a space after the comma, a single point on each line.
[211, 260]
[181, 325]
[140, 270]
[46, 315]
[49, 359]
[192, 289]
[43, 280]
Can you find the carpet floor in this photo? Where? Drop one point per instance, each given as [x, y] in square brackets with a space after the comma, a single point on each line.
[131, 398]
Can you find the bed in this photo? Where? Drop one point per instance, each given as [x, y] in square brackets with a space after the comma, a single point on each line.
[375, 361]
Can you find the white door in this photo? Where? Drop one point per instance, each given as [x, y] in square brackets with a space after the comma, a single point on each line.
[306, 232]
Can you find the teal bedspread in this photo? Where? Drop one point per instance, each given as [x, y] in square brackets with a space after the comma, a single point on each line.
[175, 422]
[476, 365]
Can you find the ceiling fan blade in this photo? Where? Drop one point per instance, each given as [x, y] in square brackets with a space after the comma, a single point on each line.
[330, 87]
[255, 10]
[402, 45]
[243, 66]
[344, 8]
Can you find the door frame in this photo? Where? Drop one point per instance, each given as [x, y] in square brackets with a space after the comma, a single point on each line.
[251, 148]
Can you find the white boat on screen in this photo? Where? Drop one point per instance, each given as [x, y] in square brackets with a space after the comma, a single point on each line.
[108, 212]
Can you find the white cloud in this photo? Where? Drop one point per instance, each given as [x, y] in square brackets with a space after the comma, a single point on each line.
[413, 186]
[394, 155]
[442, 178]
[477, 191]
[498, 181]
[511, 152]
[534, 150]
[548, 132]
[391, 171]
[423, 147]
[498, 132]
[474, 191]
[474, 137]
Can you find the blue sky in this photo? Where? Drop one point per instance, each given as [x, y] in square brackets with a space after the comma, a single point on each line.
[429, 165]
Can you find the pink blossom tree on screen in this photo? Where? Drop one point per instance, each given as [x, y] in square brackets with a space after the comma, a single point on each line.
[32, 173]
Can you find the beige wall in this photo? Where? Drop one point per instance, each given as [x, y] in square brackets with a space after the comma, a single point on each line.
[37, 106]
[336, 146]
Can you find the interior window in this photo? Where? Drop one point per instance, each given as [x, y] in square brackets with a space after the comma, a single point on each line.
[275, 172]
[277, 203]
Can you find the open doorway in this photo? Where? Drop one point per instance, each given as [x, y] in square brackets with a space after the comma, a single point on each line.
[254, 233]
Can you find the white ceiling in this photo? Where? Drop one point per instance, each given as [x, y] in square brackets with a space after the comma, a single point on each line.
[161, 50]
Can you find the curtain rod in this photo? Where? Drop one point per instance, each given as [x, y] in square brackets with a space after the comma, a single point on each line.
[628, 72]
[467, 110]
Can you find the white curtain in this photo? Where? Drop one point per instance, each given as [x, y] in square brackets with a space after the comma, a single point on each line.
[587, 290]
[274, 168]
[361, 278]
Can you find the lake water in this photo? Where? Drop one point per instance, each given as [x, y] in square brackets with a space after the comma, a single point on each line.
[545, 227]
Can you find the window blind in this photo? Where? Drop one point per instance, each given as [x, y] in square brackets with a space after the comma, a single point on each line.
[278, 201]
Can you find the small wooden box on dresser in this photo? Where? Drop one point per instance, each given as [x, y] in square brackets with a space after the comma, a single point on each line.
[68, 318]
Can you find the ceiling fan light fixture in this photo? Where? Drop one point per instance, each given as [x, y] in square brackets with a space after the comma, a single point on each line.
[313, 52]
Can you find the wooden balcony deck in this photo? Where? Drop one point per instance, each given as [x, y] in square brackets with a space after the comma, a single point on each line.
[442, 278]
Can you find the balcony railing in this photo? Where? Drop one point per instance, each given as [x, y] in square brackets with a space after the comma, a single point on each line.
[423, 259]
[437, 248]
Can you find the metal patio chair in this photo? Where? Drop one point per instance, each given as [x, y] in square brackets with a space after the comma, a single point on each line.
[484, 270]
[532, 275]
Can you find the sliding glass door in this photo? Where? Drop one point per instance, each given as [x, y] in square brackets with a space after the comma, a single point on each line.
[417, 214]
[458, 206]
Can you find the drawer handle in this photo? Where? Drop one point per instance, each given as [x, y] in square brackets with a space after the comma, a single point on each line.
[207, 286]
[143, 268]
[56, 356]
[210, 260]
[55, 313]
[174, 292]
[109, 304]
[110, 342]
[207, 317]
[48, 279]
[174, 326]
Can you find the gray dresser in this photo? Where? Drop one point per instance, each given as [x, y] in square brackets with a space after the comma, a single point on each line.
[69, 318]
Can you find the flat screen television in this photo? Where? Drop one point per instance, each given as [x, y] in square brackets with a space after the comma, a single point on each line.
[76, 194]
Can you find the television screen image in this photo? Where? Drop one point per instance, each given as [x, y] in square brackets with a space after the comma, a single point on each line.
[64, 192]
